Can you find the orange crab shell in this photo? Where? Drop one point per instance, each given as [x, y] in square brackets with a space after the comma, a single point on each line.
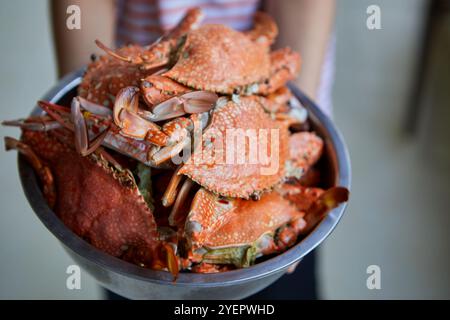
[99, 205]
[302, 197]
[214, 222]
[107, 75]
[211, 165]
[220, 59]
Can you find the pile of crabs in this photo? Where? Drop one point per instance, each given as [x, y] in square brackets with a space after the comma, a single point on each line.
[107, 163]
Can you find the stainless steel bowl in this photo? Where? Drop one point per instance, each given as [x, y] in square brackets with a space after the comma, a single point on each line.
[134, 282]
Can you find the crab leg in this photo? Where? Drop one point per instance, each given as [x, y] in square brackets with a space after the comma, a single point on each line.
[158, 57]
[114, 138]
[168, 152]
[93, 107]
[88, 126]
[158, 54]
[78, 124]
[44, 173]
[176, 216]
[171, 190]
[39, 125]
[82, 144]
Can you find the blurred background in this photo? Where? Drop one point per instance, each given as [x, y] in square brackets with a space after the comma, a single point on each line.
[391, 99]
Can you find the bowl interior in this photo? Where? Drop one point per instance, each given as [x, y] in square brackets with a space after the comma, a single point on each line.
[335, 170]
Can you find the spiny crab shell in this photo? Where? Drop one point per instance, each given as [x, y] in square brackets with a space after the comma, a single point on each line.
[211, 167]
[212, 220]
[237, 61]
[99, 202]
[237, 231]
[305, 149]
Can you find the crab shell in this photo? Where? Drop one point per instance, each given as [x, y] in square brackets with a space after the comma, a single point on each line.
[98, 202]
[215, 223]
[305, 149]
[237, 231]
[219, 59]
[302, 197]
[107, 75]
[212, 165]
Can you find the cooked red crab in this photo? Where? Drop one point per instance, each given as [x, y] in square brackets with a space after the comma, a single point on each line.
[108, 74]
[244, 153]
[225, 162]
[96, 198]
[236, 231]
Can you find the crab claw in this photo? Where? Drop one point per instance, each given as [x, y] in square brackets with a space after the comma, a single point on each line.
[199, 101]
[191, 102]
[112, 53]
[44, 173]
[159, 53]
[55, 112]
[126, 117]
[190, 21]
[93, 107]
[157, 88]
[128, 99]
[264, 30]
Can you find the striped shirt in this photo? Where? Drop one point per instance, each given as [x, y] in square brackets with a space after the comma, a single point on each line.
[144, 21]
